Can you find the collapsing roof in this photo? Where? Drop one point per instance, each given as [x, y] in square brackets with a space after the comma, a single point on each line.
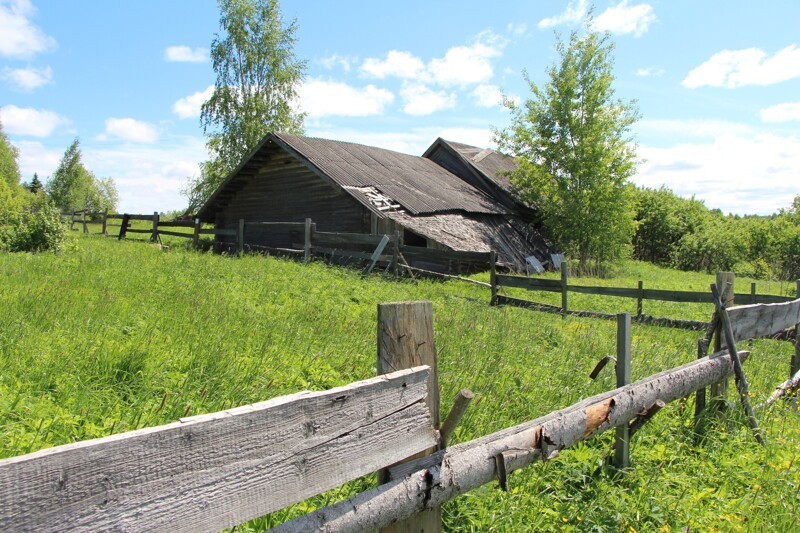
[416, 192]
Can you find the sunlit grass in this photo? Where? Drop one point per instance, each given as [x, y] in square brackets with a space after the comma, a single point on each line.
[111, 336]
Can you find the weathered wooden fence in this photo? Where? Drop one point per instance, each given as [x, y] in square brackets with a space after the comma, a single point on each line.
[213, 471]
[84, 217]
[640, 294]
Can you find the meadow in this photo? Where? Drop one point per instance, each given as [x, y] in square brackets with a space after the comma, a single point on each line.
[111, 336]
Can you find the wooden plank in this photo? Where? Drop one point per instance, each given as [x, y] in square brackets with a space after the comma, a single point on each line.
[338, 252]
[176, 224]
[719, 391]
[116, 216]
[326, 238]
[148, 218]
[444, 255]
[621, 292]
[745, 299]
[533, 284]
[210, 472]
[176, 234]
[677, 296]
[373, 259]
[132, 230]
[275, 225]
[405, 340]
[763, 320]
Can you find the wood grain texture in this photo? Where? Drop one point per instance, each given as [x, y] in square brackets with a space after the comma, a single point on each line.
[209, 472]
[763, 320]
[533, 284]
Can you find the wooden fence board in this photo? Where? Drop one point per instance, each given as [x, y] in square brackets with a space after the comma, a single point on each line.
[132, 230]
[677, 296]
[176, 224]
[140, 217]
[534, 284]
[209, 472]
[338, 252]
[175, 233]
[745, 299]
[763, 320]
[622, 292]
[320, 237]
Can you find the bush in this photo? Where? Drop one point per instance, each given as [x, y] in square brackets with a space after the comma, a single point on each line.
[36, 229]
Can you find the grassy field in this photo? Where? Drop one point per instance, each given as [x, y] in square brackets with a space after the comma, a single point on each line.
[111, 336]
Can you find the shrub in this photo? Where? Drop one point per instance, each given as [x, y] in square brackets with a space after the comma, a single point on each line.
[36, 229]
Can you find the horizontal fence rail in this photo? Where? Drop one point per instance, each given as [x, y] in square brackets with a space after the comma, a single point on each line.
[214, 471]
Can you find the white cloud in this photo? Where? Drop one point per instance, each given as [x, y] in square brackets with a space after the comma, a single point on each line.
[517, 29]
[30, 121]
[650, 72]
[132, 130]
[414, 141]
[185, 54]
[740, 173]
[29, 78]
[335, 60]
[465, 65]
[694, 128]
[787, 112]
[34, 157]
[189, 106]
[750, 66]
[488, 96]
[574, 13]
[397, 64]
[19, 37]
[320, 98]
[420, 99]
[624, 18]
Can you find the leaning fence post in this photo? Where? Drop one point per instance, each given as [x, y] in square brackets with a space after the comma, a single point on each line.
[795, 365]
[719, 391]
[493, 276]
[564, 287]
[240, 237]
[622, 457]
[405, 340]
[154, 236]
[307, 241]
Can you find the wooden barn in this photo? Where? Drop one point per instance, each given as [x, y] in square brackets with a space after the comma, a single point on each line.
[347, 187]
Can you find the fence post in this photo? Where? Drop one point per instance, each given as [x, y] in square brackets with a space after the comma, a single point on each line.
[564, 276]
[240, 237]
[795, 366]
[307, 241]
[752, 292]
[83, 220]
[622, 457]
[493, 276]
[154, 236]
[640, 298]
[123, 228]
[105, 222]
[196, 234]
[719, 391]
[405, 340]
[72, 221]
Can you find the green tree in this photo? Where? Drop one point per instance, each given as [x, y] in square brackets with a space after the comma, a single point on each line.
[572, 140]
[35, 185]
[9, 169]
[258, 75]
[73, 186]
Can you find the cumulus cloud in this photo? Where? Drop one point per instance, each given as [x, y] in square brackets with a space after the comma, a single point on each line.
[185, 54]
[650, 72]
[336, 60]
[692, 128]
[752, 173]
[129, 129]
[397, 64]
[19, 37]
[34, 157]
[419, 99]
[750, 66]
[624, 18]
[787, 112]
[29, 121]
[28, 78]
[574, 13]
[189, 106]
[488, 96]
[321, 98]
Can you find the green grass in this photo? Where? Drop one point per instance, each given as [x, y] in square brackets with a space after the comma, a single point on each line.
[112, 336]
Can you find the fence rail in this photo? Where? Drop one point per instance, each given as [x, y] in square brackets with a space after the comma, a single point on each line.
[213, 471]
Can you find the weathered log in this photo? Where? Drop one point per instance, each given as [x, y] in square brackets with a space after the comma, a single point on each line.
[791, 383]
[430, 481]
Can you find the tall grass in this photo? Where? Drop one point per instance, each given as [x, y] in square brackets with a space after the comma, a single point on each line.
[112, 336]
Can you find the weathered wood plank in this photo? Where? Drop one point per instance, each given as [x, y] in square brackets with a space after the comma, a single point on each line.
[763, 320]
[133, 230]
[176, 224]
[534, 284]
[327, 238]
[430, 481]
[209, 472]
[605, 291]
[745, 299]
[140, 217]
[175, 233]
[677, 296]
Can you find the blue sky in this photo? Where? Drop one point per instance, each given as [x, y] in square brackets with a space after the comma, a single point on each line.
[717, 83]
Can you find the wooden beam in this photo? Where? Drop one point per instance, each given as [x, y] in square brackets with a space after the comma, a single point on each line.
[763, 320]
[214, 471]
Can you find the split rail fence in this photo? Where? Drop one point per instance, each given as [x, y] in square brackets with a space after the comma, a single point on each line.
[209, 472]
[640, 294]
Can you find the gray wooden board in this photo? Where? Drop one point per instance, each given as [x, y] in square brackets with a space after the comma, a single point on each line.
[175, 233]
[534, 284]
[677, 296]
[132, 230]
[745, 299]
[209, 472]
[605, 291]
[763, 320]
[140, 217]
[535, 264]
[176, 224]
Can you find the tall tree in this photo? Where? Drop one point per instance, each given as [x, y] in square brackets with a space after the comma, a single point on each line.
[572, 140]
[73, 186]
[258, 75]
[9, 169]
[35, 185]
